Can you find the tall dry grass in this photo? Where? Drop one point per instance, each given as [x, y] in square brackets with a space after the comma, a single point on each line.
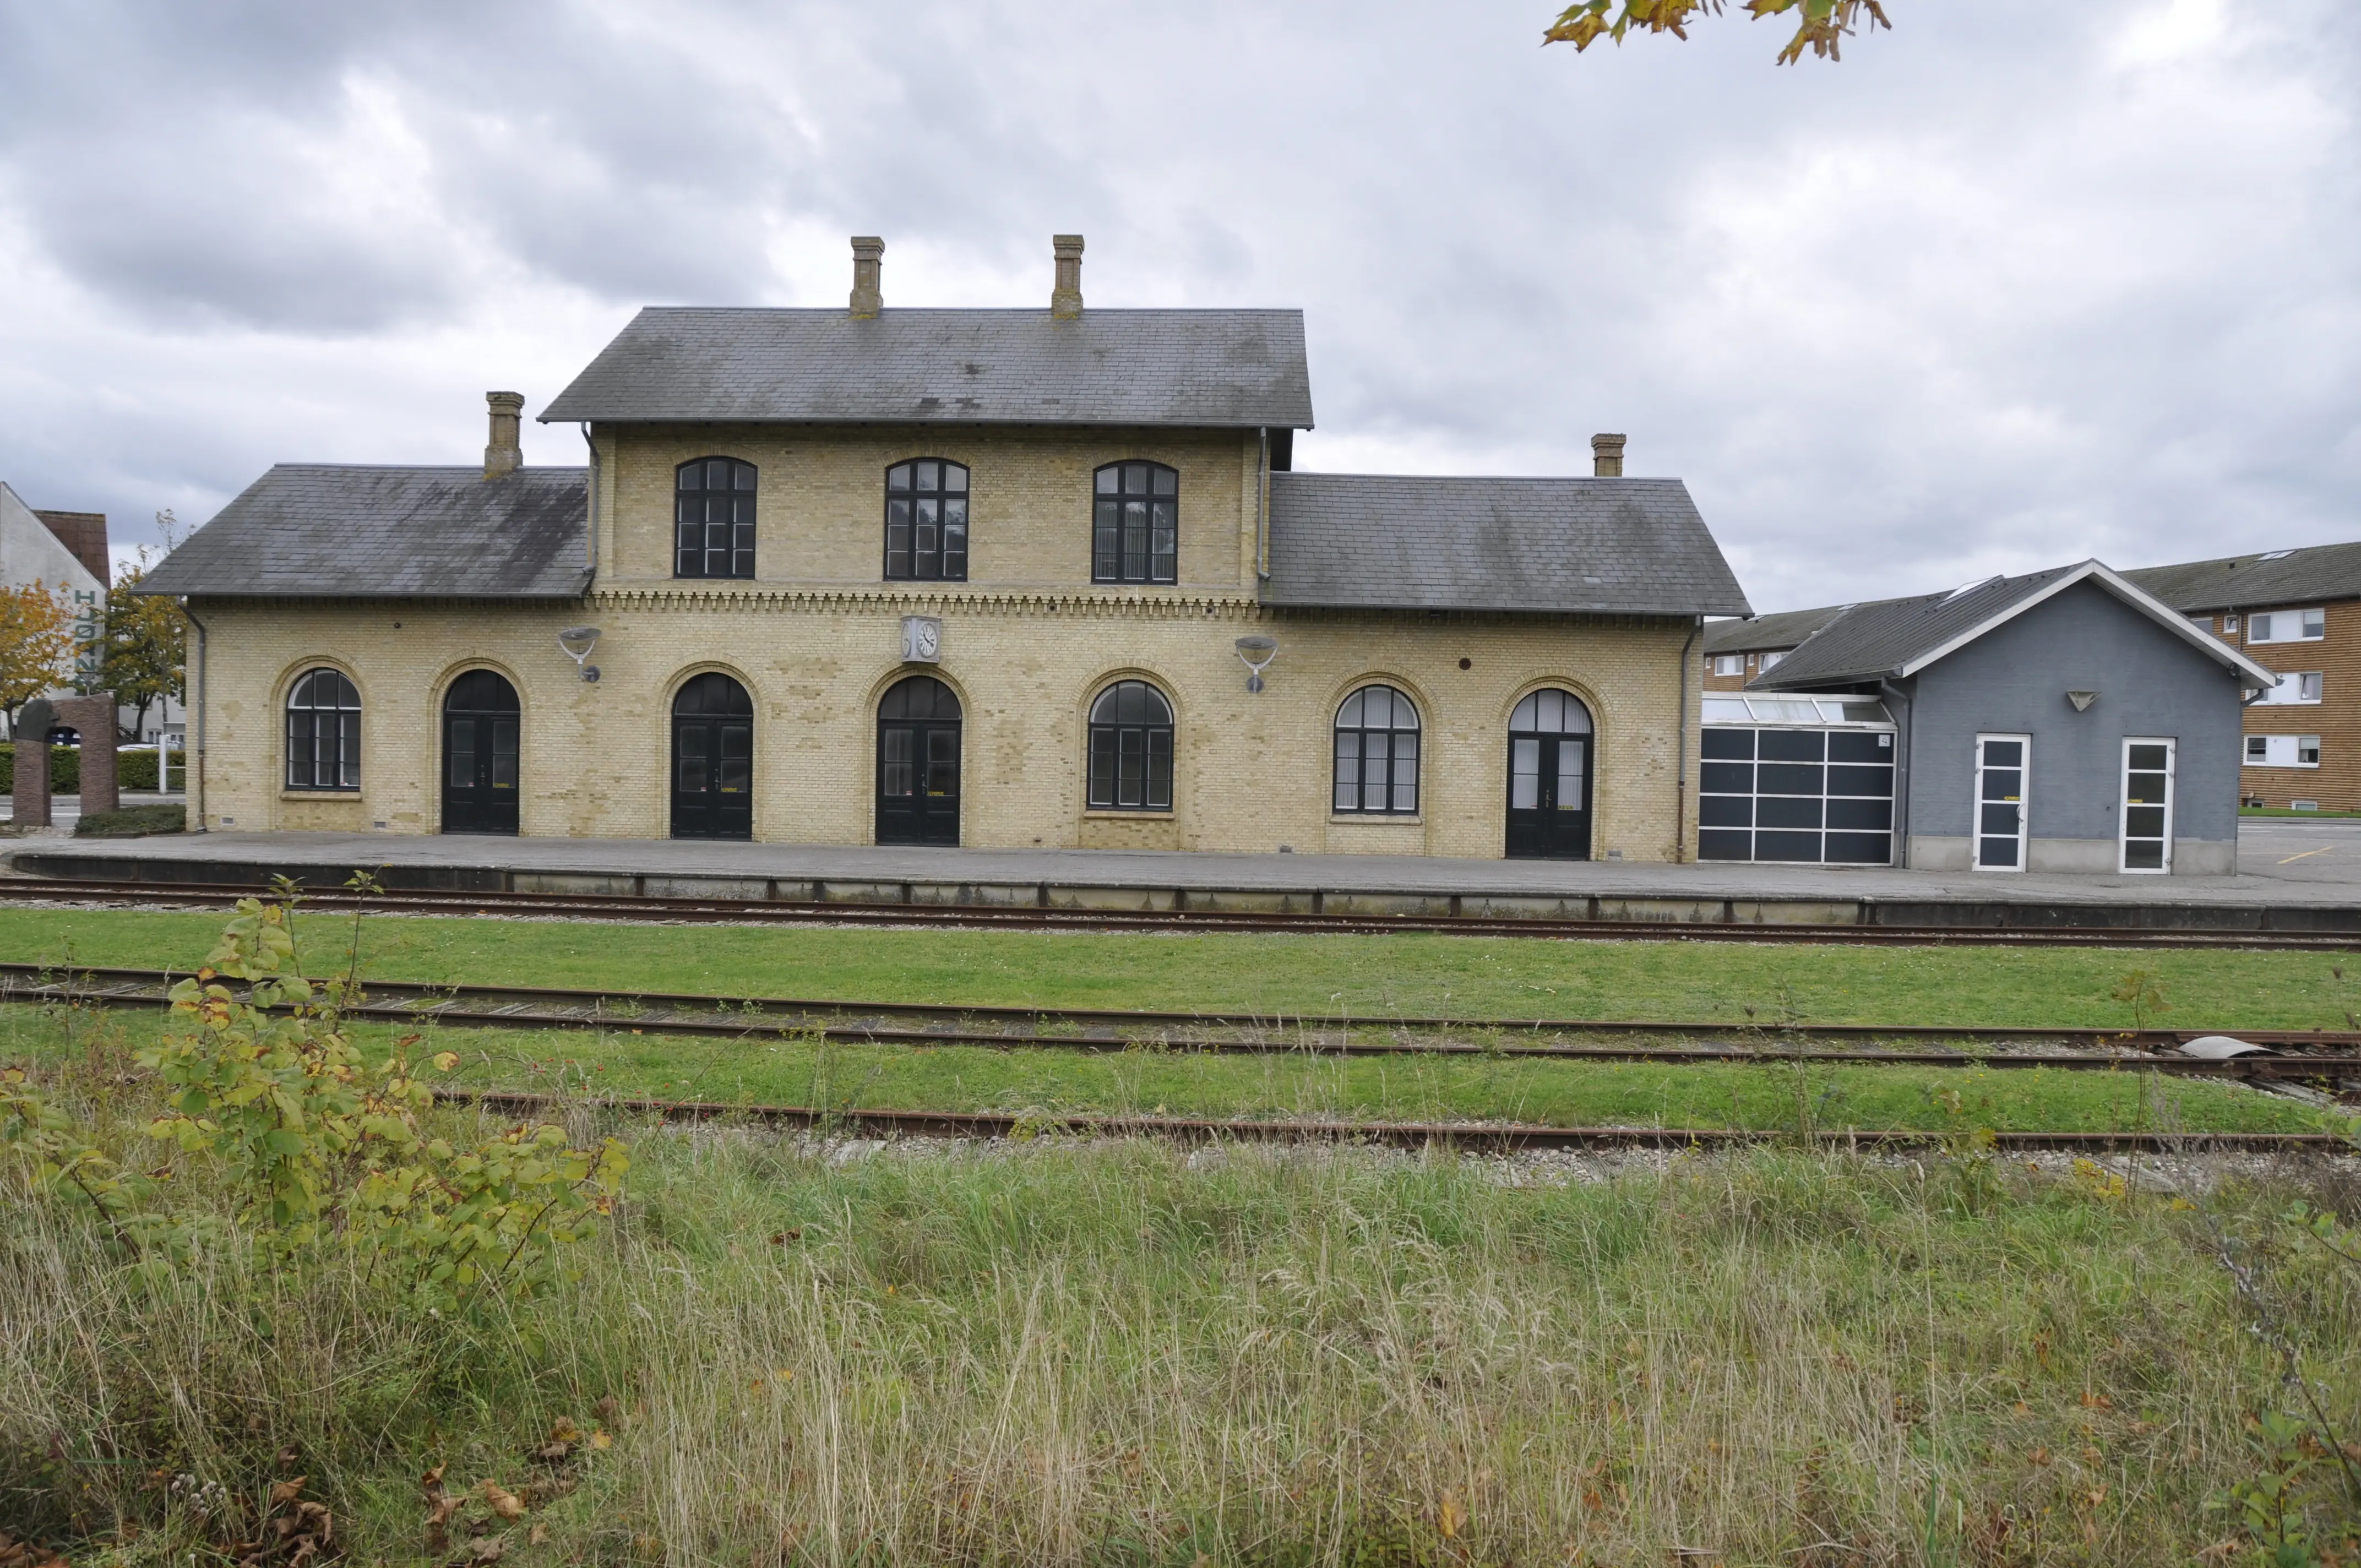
[1121, 1354]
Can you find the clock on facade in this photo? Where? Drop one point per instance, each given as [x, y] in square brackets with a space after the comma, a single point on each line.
[922, 639]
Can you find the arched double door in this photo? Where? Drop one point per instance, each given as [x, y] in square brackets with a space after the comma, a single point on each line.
[712, 759]
[919, 763]
[479, 754]
[1549, 778]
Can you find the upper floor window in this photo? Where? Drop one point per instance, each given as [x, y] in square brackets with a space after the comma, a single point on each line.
[1728, 665]
[324, 732]
[1136, 529]
[715, 518]
[1377, 753]
[1131, 748]
[2299, 687]
[2287, 626]
[925, 520]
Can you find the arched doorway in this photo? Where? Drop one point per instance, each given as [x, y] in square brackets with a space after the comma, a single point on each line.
[479, 754]
[1549, 778]
[712, 760]
[919, 763]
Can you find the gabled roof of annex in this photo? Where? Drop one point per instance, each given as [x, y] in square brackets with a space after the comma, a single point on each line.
[1781, 631]
[1892, 639]
[1242, 369]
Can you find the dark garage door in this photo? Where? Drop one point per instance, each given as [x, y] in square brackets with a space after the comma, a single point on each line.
[1815, 796]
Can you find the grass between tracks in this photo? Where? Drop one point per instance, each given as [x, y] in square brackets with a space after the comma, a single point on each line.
[800, 1069]
[1324, 976]
[1114, 1354]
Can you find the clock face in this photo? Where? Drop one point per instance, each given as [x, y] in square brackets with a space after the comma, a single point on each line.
[930, 638]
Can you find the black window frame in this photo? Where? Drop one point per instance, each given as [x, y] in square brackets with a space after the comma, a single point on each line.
[1119, 740]
[1356, 701]
[1112, 494]
[305, 711]
[950, 562]
[695, 561]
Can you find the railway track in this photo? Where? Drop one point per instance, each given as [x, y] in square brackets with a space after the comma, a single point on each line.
[1473, 1137]
[645, 908]
[2316, 1054]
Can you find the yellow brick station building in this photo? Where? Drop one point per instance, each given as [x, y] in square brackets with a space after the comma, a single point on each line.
[1000, 579]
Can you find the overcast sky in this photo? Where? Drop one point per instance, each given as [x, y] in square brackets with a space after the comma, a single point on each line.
[2017, 283]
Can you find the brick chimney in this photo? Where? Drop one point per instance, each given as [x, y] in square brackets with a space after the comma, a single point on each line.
[1066, 297]
[868, 261]
[1606, 456]
[503, 456]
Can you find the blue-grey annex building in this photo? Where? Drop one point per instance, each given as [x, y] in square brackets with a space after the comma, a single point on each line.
[2064, 720]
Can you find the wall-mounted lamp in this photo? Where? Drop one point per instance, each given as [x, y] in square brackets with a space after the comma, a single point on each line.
[577, 641]
[1256, 653]
[2081, 700]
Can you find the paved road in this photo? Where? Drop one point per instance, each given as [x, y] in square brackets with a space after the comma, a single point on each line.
[2280, 861]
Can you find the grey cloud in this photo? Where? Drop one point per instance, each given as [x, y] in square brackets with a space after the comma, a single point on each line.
[1983, 297]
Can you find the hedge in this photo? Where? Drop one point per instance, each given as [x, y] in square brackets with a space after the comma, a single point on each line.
[133, 770]
[133, 822]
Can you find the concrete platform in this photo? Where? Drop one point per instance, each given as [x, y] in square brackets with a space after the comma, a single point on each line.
[2293, 875]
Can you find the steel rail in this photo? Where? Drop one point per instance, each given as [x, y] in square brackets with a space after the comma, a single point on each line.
[1479, 1136]
[645, 908]
[536, 1007]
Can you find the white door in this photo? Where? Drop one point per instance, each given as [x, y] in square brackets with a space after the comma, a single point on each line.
[2004, 764]
[2147, 806]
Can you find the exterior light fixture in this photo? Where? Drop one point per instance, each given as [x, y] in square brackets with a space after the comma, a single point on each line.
[2081, 700]
[577, 641]
[1256, 653]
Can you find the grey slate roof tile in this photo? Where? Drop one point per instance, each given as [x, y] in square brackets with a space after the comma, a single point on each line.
[1876, 639]
[1206, 368]
[1627, 546]
[2248, 582]
[1784, 630]
[337, 531]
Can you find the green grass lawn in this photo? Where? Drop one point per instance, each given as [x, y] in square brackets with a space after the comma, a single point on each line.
[800, 1071]
[1327, 976]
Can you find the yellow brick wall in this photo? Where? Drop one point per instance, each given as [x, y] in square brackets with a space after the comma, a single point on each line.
[820, 506]
[1027, 642]
[1252, 772]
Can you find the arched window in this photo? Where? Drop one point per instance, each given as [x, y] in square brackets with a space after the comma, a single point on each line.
[324, 732]
[1131, 748]
[1135, 529]
[715, 513]
[925, 520]
[1377, 753]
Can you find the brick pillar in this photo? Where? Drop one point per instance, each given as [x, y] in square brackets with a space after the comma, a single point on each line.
[94, 719]
[32, 791]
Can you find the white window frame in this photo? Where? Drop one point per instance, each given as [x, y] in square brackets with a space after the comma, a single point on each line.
[2264, 628]
[1730, 663]
[1770, 659]
[2024, 804]
[2124, 807]
[2281, 751]
[2290, 690]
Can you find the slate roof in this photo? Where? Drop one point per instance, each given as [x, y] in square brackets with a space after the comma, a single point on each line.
[339, 531]
[2239, 582]
[1629, 546]
[1237, 369]
[1784, 630]
[1887, 639]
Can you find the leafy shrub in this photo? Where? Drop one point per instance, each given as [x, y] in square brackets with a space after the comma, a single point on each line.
[65, 768]
[132, 822]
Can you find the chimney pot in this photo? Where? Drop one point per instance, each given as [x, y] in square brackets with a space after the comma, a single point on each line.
[1066, 296]
[1606, 456]
[504, 455]
[868, 257]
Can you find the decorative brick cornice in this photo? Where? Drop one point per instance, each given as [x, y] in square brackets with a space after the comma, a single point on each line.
[915, 599]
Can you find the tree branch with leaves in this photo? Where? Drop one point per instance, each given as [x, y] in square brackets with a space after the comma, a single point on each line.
[1821, 26]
